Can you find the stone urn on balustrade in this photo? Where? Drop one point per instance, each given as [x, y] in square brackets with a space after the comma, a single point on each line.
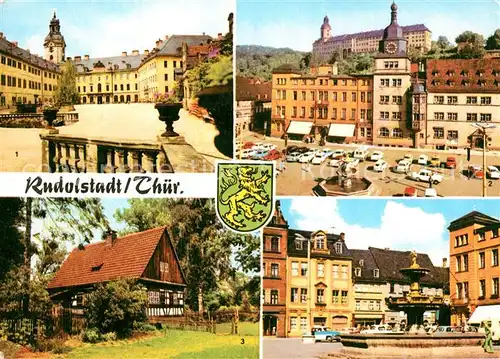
[50, 115]
[169, 113]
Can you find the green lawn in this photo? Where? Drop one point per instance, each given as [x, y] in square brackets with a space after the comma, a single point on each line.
[176, 344]
[244, 328]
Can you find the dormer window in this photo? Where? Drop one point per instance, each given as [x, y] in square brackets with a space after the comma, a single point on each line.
[450, 83]
[481, 82]
[450, 73]
[465, 83]
[435, 72]
[97, 267]
[338, 248]
[320, 241]
[464, 73]
[298, 244]
[376, 273]
[357, 272]
[361, 262]
[480, 73]
[435, 82]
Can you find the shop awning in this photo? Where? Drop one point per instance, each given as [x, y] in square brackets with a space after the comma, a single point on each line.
[485, 312]
[300, 128]
[341, 130]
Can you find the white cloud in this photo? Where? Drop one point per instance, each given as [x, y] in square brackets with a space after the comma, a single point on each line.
[109, 34]
[35, 44]
[401, 227]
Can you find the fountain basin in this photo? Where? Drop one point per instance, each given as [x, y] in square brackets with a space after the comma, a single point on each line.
[405, 345]
[331, 187]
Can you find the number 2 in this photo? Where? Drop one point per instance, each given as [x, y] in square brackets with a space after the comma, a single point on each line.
[490, 183]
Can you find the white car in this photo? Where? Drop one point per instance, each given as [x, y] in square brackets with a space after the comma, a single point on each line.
[493, 172]
[319, 158]
[430, 192]
[334, 163]
[426, 176]
[257, 146]
[248, 153]
[408, 157]
[328, 152]
[376, 156]
[307, 157]
[268, 147]
[423, 160]
[377, 329]
[379, 166]
[338, 153]
[403, 166]
[293, 157]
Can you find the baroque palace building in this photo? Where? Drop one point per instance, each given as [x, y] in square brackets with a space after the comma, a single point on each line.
[135, 77]
[339, 287]
[428, 105]
[474, 264]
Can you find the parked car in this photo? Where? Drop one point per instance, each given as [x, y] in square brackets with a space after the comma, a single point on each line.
[410, 192]
[258, 146]
[435, 162]
[319, 158]
[302, 149]
[259, 154]
[361, 153]
[293, 157]
[247, 153]
[408, 157]
[444, 329]
[272, 155]
[493, 172]
[476, 171]
[328, 152]
[403, 166]
[425, 175]
[423, 160]
[322, 333]
[338, 153]
[376, 156]
[451, 162]
[306, 157]
[291, 149]
[379, 166]
[248, 145]
[335, 162]
[377, 329]
[268, 146]
[238, 144]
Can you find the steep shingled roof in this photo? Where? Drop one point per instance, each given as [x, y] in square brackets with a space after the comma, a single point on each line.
[121, 61]
[173, 46]
[126, 258]
[249, 90]
[368, 266]
[8, 48]
[331, 240]
[470, 218]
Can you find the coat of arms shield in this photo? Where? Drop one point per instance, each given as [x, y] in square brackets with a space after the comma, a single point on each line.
[245, 194]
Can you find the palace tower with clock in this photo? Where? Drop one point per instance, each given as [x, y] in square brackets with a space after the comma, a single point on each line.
[391, 81]
[54, 43]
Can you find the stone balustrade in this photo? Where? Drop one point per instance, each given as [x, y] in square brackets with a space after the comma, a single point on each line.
[36, 119]
[73, 154]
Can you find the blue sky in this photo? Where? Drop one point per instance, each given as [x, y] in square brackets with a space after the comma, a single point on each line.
[296, 23]
[397, 224]
[106, 28]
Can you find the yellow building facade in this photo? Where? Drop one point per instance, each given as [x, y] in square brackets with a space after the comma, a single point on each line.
[325, 298]
[24, 77]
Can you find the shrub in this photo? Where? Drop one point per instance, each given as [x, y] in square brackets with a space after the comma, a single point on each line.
[55, 345]
[115, 306]
[109, 337]
[142, 327]
[91, 335]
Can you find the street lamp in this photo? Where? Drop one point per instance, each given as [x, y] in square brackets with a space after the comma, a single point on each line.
[306, 338]
[483, 127]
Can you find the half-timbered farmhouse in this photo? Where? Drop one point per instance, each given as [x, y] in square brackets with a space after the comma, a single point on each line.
[149, 257]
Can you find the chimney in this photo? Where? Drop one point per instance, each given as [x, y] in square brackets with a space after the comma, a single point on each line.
[14, 43]
[158, 43]
[86, 57]
[445, 262]
[135, 52]
[166, 37]
[1, 35]
[78, 58]
[335, 69]
[342, 236]
[219, 36]
[68, 58]
[386, 248]
[124, 53]
[146, 52]
[109, 237]
[203, 34]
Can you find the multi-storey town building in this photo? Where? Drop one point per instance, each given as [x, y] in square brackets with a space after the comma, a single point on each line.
[428, 105]
[418, 37]
[324, 296]
[459, 93]
[253, 104]
[274, 268]
[474, 264]
[336, 287]
[338, 106]
[28, 78]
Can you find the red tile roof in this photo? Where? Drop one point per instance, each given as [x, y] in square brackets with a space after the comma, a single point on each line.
[463, 75]
[126, 258]
[252, 90]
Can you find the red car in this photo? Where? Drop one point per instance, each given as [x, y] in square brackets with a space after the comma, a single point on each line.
[451, 162]
[410, 192]
[272, 155]
[248, 145]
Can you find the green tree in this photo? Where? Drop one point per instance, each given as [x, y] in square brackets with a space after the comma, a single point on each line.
[67, 93]
[220, 73]
[415, 55]
[50, 255]
[470, 45]
[443, 42]
[356, 64]
[204, 247]
[11, 237]
[493, 42]
[115, 306]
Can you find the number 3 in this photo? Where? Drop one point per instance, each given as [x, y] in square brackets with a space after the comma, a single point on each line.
[242, 341]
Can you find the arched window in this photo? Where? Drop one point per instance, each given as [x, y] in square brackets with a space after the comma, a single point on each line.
[397, 132]
[99, 88]
[128, 98]
[383, 132]
[115, 99]
[122, 98]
